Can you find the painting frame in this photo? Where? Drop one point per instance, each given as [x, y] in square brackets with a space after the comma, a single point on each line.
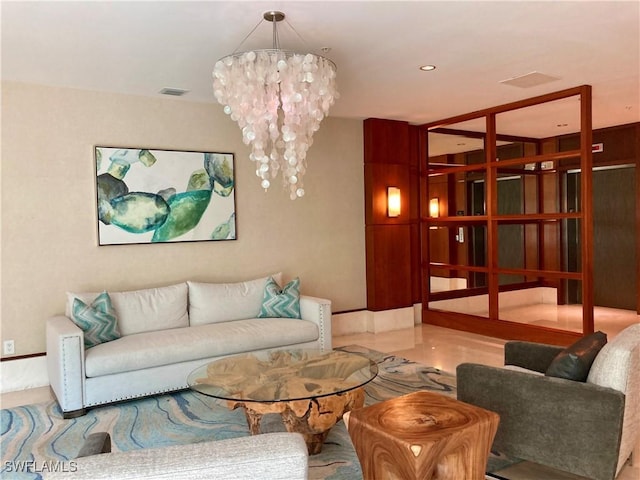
[152, 195]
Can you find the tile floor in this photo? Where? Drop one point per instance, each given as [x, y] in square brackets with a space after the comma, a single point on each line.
[445, 349]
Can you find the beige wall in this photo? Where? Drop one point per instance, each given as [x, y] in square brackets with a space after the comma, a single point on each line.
[49, 241]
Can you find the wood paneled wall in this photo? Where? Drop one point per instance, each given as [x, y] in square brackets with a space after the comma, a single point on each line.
[393, 244]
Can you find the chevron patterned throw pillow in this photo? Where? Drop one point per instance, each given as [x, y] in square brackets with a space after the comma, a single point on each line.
[98, 321]
[281, 303]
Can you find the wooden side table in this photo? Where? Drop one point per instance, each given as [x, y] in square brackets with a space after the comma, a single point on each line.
[424, 436]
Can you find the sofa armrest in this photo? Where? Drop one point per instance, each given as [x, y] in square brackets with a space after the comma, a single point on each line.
[272, 456]
[572, 426]
[318, 310]
[65, 364]
[529, 355]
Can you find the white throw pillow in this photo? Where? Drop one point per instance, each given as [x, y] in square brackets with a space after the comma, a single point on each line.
[144, 310]
[612, 367]
[225, 302]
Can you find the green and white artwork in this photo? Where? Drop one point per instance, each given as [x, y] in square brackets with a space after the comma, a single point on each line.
[157, 196]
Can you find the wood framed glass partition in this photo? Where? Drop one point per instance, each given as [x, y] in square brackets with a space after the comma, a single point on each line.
[497, 218]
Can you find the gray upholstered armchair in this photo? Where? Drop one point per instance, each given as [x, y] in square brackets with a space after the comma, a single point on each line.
[586, 428]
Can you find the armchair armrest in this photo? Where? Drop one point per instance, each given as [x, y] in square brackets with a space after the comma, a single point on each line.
[532, 356]
[318, 310]
[549, 420]
[65, 364]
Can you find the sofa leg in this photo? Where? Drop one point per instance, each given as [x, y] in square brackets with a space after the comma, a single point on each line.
[70, 414]
[74, 413]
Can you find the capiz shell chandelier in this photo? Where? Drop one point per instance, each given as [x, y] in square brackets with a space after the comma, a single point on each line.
[278, 98]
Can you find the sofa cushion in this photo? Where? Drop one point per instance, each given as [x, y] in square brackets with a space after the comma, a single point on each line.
[574, 362]
[225, 302]
[98, 320]
[145, 310]
[281, 302]
[152, 349]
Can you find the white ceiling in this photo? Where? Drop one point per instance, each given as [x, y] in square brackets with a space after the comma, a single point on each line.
[141, 47]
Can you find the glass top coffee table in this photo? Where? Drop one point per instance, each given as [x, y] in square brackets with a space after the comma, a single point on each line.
[311, 390]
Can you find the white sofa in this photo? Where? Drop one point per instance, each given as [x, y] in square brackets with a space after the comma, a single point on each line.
[271, 456]
[166, 333]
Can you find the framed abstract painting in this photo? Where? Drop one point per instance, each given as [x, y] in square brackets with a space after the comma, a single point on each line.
[159, 196]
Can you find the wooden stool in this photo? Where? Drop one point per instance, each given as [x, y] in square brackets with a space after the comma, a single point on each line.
[424, 436]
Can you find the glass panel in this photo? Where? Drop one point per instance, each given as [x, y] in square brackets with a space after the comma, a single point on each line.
[439, 247]
[529, 182]
[539, 306]
[510, 236]
[550, 119]
[571, 202]
[550, 192]
[476, 188]
[572, 245]
[460, 193]
[447, 196]
[452, 144]
[463, 245]
[459, 145]
[532, 242]
[445, 280]
[477, 304]
[510, 252]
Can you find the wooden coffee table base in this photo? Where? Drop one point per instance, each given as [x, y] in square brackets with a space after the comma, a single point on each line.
[424, 436]
[313, 418]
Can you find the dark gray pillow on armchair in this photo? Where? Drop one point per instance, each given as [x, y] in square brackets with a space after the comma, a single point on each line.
[574, 362]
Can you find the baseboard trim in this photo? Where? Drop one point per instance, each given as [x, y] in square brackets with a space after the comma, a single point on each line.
[22, 357]
[366, 321]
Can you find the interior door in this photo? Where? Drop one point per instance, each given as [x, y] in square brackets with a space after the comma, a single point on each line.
[614, 237]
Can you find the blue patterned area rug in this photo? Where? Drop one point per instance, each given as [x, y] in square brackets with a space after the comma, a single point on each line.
[37, 434]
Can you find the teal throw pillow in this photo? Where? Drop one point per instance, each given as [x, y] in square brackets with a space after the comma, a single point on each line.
[281, 303]
[98, 321]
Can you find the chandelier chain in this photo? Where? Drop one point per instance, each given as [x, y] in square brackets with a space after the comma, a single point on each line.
[276, 40]
[248, 35]
[298, 34]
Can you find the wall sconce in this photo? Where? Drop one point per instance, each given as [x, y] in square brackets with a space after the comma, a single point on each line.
[434, 207]
[393, 201]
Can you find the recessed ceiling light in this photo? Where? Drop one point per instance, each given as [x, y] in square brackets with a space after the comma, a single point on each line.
[427, 68]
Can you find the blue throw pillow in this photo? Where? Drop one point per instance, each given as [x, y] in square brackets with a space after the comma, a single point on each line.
[281, 303]
[98, 321]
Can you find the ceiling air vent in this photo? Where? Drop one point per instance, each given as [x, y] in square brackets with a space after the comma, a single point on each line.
[175, 92]
[529, 80]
